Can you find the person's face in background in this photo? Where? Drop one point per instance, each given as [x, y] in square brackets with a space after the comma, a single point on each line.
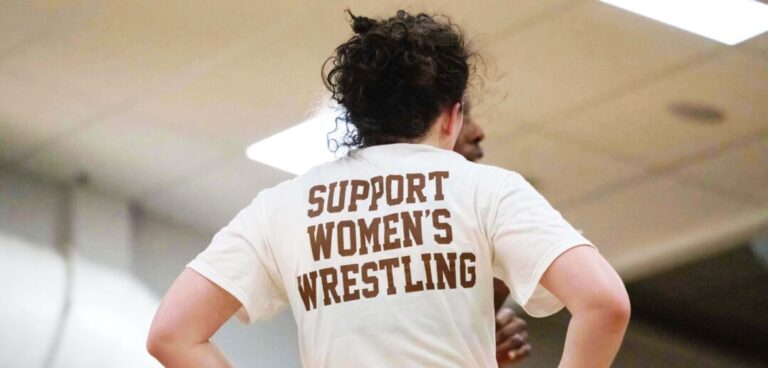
[470, 136]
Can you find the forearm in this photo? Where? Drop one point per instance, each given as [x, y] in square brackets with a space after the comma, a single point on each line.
[594, 338]
[500, 293]
[200, 355]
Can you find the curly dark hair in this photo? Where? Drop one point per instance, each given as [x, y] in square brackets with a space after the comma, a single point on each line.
[395, 76]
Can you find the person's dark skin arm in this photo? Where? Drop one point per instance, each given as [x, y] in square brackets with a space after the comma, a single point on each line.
[511, 331]
[500, 294]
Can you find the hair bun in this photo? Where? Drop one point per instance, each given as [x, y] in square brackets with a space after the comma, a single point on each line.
[360, 24]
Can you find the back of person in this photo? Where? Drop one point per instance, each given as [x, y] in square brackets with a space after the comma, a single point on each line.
[386, 257]
[403, 275]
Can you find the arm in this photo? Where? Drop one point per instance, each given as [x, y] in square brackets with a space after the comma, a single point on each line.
[500, 293]
[511, 331]
[511, 337]
[595, 295]
[191, 312]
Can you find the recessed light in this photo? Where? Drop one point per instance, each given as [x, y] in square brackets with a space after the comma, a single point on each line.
[726, 21]
[302, 146]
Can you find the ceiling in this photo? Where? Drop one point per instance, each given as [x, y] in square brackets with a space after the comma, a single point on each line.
[156, 102]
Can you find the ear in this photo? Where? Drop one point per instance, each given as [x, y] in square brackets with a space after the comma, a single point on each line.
[451, 126]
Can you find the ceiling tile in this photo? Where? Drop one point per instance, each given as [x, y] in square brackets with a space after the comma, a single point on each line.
[125, 47]
[483, 18]
[264, 90]
[757, 46]
[19, 21]
[743, 172]
[641, 127]
[581, 56]
[126, 155]
[210, 200]
[559, 169]
[23, 21]
[647, 213]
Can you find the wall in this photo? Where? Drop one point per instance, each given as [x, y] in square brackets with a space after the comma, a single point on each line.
[162, 250]
[82, 274]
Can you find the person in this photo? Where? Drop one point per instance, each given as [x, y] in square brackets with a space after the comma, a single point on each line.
[386, 257]
[511, 331]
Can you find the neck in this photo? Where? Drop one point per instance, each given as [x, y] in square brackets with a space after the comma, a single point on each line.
[430, 141]
[435, 137]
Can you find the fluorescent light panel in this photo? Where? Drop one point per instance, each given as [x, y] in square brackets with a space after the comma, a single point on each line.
[302, 146]
[726, 21]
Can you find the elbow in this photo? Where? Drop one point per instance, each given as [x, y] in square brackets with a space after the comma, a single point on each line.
[620, 309]
[155, 346]
[612, 307]
[159, 344]
[616, 308]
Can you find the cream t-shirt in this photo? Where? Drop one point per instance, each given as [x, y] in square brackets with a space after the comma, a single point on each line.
[386, 257]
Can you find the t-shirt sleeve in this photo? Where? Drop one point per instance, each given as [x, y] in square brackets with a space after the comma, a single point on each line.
[527, 235]
[238, 260]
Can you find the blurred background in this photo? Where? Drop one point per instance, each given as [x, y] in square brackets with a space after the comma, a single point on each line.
[124, 126]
